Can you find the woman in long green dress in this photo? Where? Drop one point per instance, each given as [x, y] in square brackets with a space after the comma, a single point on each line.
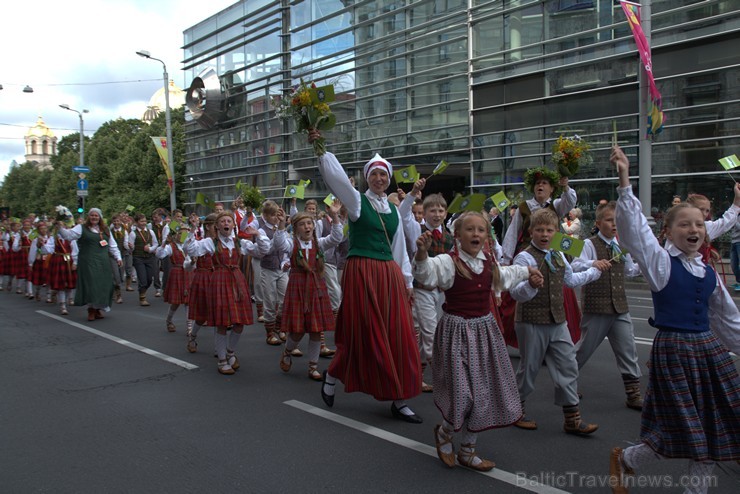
[94, 272]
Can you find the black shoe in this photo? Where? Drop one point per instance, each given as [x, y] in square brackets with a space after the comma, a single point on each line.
[411, 419]
[328, 399]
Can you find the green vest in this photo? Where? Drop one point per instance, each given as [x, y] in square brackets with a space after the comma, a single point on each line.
[366, 235]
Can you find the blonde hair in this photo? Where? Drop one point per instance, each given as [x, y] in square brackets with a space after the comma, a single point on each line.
[434, 200]
[460, 267]
[544, 216]
[269, 207]
[300, 260]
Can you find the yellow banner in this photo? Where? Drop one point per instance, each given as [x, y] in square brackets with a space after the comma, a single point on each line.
[160, 143]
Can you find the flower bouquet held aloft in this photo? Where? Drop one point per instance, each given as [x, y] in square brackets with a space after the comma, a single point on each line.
[308, 106]
[64, 215]
[569, 154]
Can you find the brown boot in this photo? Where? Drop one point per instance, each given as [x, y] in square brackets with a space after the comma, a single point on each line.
[142, 300]
[117, 295]
[278, 329]
[90, 314]
[272, 337]
[573, 423]
[129, 288]
[632, 390]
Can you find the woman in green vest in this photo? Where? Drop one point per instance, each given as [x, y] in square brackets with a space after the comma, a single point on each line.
[94, 273]
[376, 347]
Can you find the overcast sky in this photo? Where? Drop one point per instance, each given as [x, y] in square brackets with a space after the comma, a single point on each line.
[59, 48]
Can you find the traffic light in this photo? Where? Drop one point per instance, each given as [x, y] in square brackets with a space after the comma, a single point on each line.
[80, 204]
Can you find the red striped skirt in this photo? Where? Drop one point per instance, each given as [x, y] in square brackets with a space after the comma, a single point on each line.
[61, 274]
[198, 308]
[306, 307]
[176, 289]
[229, 298]
[377, 352]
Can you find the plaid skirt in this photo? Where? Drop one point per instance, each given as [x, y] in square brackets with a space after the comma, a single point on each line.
[377, 352]
[61, 275]
[692, 403]
[5, 262]
[228, 297]
[198, 308]
[473, 376]
[306, 307]
[176, 289]
[19, 264]
[40, 272]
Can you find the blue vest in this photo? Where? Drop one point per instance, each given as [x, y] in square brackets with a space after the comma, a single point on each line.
[683, 305]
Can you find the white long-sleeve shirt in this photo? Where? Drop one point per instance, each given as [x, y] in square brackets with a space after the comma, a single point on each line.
[336, 179]
[284, 242]
[655, 263]
[46, 248]
[439, 271]
[588, 256]
[75, 233]
[562, 205]
[411, 227]
[153, 242]
[524, 292]
[197, 248]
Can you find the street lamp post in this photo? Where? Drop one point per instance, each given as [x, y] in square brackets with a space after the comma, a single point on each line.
[168, 123]
[82, 131]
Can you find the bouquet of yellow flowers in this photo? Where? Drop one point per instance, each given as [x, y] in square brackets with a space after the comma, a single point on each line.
[308, 106]
[569, 154]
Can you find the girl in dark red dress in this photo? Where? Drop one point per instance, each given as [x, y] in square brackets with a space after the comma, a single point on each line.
[178, 282]
[39, 257]
[307, 308]
[198, 307]
[228, 296]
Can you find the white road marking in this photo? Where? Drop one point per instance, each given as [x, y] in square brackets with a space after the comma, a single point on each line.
[120, 341]
[503, 476]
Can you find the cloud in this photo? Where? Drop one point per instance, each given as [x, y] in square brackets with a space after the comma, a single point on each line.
[59, 48]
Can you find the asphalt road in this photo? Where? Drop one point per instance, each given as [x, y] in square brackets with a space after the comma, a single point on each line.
[119, 406]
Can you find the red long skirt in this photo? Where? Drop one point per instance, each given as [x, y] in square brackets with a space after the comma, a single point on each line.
[377, 352]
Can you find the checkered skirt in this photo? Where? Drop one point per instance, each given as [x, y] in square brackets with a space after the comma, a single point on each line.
[40, 271]
[377, 352]
[228, 295]
[61, 274]
[473, 376]
[198, 308]
[178, 281]
[692, 403]
[19, 263]
[306, 307]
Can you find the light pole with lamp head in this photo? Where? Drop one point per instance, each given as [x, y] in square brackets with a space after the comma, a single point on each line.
[82, 131]
[80, 198]
[168, 123]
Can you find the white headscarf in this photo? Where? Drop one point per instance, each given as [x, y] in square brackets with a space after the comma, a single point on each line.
[378, 161]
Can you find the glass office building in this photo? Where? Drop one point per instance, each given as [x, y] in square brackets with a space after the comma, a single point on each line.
[485, 85]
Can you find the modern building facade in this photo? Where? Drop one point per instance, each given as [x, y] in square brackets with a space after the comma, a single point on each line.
[487, 86]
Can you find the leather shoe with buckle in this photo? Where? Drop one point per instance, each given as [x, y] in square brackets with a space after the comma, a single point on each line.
[411, 419]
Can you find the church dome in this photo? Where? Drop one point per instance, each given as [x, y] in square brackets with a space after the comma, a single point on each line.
[40, 130]
[157, 103]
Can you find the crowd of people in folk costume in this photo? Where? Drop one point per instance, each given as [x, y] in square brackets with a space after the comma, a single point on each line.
[420, 305]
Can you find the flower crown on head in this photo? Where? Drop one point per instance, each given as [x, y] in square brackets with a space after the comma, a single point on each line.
[532, 175]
